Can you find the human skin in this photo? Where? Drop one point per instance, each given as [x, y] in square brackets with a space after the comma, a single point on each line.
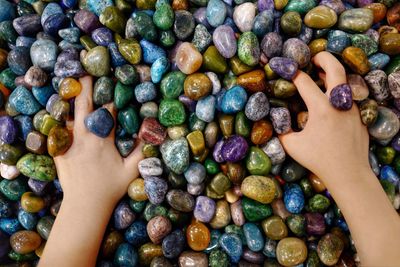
[333, 145]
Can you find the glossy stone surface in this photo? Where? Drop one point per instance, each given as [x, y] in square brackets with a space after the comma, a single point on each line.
[291, 251]
[341, 97]
[100, 122]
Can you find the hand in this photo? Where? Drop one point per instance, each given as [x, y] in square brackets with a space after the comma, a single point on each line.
[93, 167]
[332, 139]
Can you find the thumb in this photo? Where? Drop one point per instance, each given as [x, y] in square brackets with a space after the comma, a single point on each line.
[292, 143]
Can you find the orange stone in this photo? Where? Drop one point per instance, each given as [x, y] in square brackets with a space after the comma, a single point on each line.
[316, 183]
[31, 203]
[393, 16]
[198, 236]
[4, 90]
[69, 88]
[3, 58]
[24, 242]
[197, 85]
[379, 11]
[180, 4]
[253, 81]
[302, 118]
[261, 132]
[188, 59]
[58, 141]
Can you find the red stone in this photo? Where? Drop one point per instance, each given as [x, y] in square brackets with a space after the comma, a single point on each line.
[152, 132]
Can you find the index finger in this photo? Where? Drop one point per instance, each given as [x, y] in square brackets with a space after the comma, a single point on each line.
[83, 103]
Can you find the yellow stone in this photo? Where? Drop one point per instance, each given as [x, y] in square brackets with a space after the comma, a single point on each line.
[69, 88]
[259, 188]
[317, 45]
[196, 142]
[136, 190]
[238, 67]
[222, 215]
[274, 228]
[269, 73]
[231, 197]
[291, 251]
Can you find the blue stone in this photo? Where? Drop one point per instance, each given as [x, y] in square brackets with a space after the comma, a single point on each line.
[269, 249]
[341, 223]
[54, 23]
[98, 6]
[50, 9]
[8, 129]
[126, 256]
[378, 61]
[136, 234]
[306, 34]
[57, 185]
[159, 68]
[263, 23]
[219, 96]
[123, 216]
[195, 173]
[156, 189]
[234, 100]
[214, 242]
[68, 4]
[329, 216]
[151, 52]
[173, 244]
[229, 22]
[254, 237]
[232, 245]
[216, 12]
[44, 54]
[27, 220]
[337, 41]
[389, 174]
[18, 60]
[100, 122]
[24, 125]
[116, 58]
[70, 34]
[7, 11]
[24, 41]
[42, 94]
[22, 100]
[205, 108]
[37, 187]
[102, 36]
[66, 45]
[145, 92]
[10, 225]
[5, 208]
[293, 198]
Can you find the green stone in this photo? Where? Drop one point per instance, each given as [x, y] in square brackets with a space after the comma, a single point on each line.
[152, 211]
[313, 259]
[103, 91]
[7, 78]
[211, 166]
[9, 154]
[214, 61]
[255, 211]
[218, 259]
[176, 181]
[364, 42]
[291, 23]
[167, 38]
[257, 162]
[171, 112]
[123, 94]
[130, 49]
[175, 154]
[13, 189]
[172, 84]
[393, 66]
[195, 124]
[7, 32]
[87, 42]
[385, 155]
[235, 229]
[220, 183]
[179, 219]
[21, 257]
[249, 49]
[38, 167]
[242, 124]
[306, 187]
[163, 18]
[127, 74]
[297, 224]
[97, 62]
[150, 150]
[25, 8]
[396, 164]
[284, 89]
[129, 120]
[47, 123]
[114, 19]
[356, 20]
[44, 226]
[38, 119]
[229, 81]
[318, 203]
[301, 7]
[145, 26]
[123, 5]
[137, 206]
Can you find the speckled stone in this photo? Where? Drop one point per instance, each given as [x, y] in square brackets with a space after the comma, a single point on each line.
[281, 120]
[341, 97]
[175, 154]
[297, 50]
[257, 107]
[284, 67]
[204, 209]
[377, 81]
[44, 54]
[274, 151]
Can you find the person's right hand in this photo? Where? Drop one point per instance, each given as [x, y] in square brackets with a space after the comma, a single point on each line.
[331, 139]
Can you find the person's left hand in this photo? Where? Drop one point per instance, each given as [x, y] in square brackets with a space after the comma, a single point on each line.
[93, 166]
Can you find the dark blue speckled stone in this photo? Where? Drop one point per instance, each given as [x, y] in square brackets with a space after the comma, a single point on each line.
[8, 129]
[100, 122]
[102, 36]
[42, 94]
[151, 52]
[389, 174]
[123, 216]
[25, 126]
[145, 92]
[54, 23]
[10, 225]
[337, 41]
[293, 198]
[136, 234]
[19, 60]
[173, 244]
[116, 58]
[22, 100]
[254, 237]
[233, 100]
[156, 189]
[126, 256]
[27, 220]
[378, 61]
[232, 245]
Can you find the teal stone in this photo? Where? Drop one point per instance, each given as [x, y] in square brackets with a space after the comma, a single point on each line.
[7, 78]
[13, 189]
[216, 12]
[137, 206]
[301, 7]
[129, 120]
[44, 54]
[356, 20]
[196, 124]
[318, 203]
[123, 94]
[171, 112]
[38, 167]
[254, 237]
[22, 257]
[71, 35]
[7, 32]
[127, 74]
[163, 18]
[7, 11]
[237, 230]
[249, 49]
[145, 26]
[175, 154]
[232, 245]
[27, 220]
[22, 100]
[214, 245]
[126, 255]
[98, 6]
[255, 211]
[218, 258]
[159, 68]
[172, 84]
[44, 226]
[366, 43]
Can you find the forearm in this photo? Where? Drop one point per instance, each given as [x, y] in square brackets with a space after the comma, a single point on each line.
[374, 224]
[77, 233]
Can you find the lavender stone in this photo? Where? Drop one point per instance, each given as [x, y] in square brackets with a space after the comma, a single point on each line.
[102, 36]
[271, 44]
[8, 129]
[217, 155]
[123, 216]
[341, 97]
[225, 41]
[257, 107]
[156, 189]
[150, 167]
[281, 120]
[195, 174]
[284, 67]
[204, 209]
[234, 148]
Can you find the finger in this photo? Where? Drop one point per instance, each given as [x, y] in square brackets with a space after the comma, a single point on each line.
[113, 110]
[83, 102]
[133, 159]
[334, 70]
[308, 89]
[291, 143]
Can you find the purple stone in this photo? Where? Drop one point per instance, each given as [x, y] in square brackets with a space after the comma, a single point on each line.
[204, 209]
[396, 103]
[69, 68]
[8, 129]
[284, 67]
[315, 223]
[396, 143]
[200, 17]
[86, 21]
[50, 103]
[68, 54]
[280, 118]
[190, 104]
[217, 153]
[225, 41]
[37, 187]
[123, 216]
[341, 97]
[102, 36]
[265, 5]
[336, 5]
[234, 148]
[156, 189]
[271, 44]
[27, 25]
[252, 256]
[362, 3]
